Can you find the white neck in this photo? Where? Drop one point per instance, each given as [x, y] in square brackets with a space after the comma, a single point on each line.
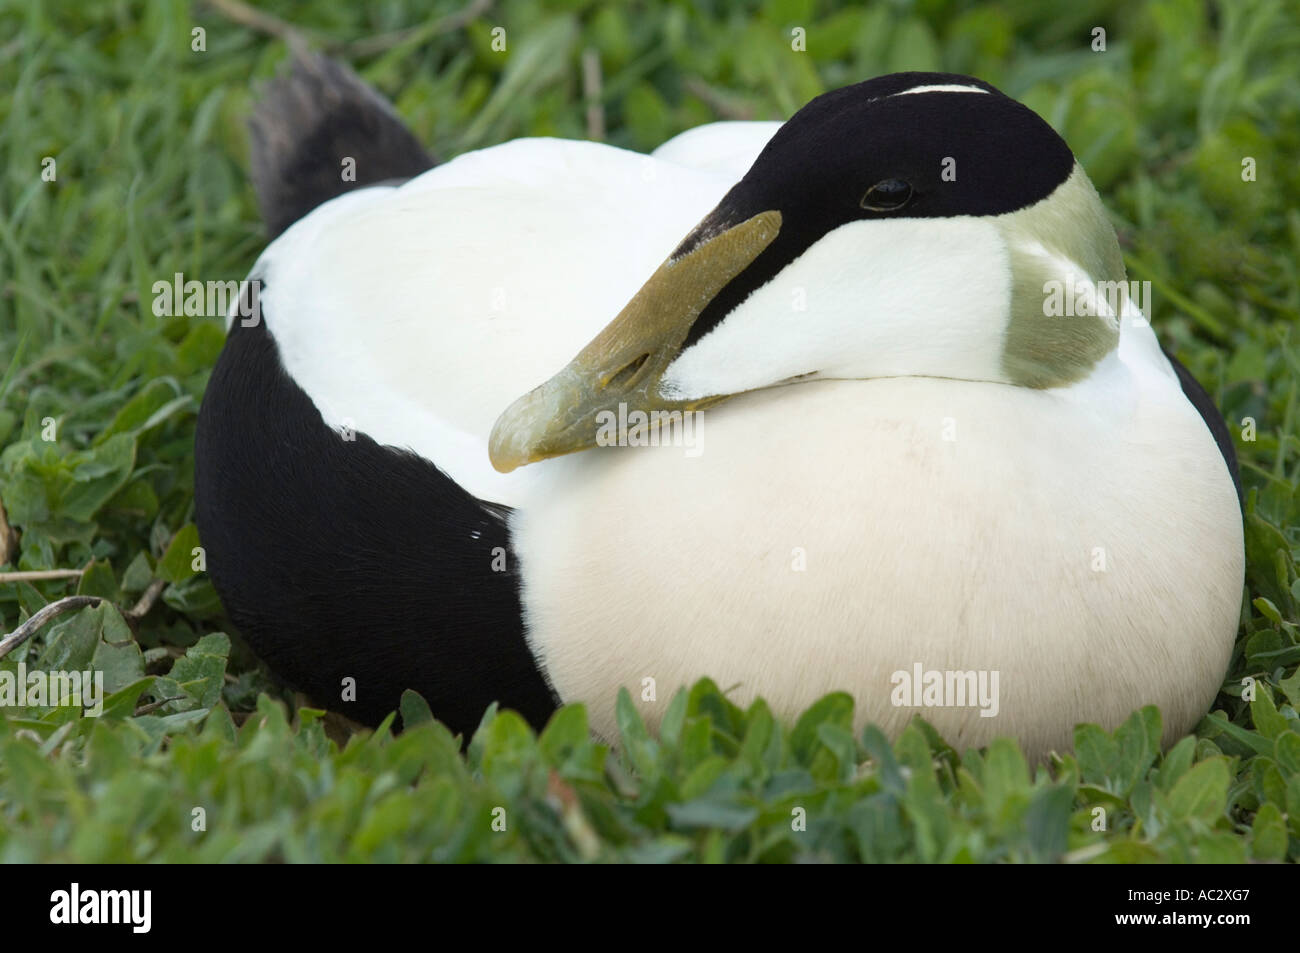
[908, 297]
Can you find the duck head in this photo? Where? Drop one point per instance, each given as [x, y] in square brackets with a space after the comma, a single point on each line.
[909, 225]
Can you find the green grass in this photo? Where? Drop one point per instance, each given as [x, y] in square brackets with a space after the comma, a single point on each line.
[149, 148]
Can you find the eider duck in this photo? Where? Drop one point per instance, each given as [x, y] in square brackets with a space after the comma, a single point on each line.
[422, 460]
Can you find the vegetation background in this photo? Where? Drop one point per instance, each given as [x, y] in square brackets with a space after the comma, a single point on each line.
[147, 136]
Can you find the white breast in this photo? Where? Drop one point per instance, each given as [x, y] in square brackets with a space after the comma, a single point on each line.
[980, 552]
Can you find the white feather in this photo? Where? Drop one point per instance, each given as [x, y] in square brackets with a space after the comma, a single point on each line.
[956, 524]
[726, 148]
[897, 308]
[417, 314]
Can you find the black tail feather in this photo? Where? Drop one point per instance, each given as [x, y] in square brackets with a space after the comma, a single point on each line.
[312, 120]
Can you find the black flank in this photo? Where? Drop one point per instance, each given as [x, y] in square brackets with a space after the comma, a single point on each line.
[1204, 405]
[342, 558]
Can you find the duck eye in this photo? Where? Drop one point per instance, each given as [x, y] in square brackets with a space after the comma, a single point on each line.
[887, 196]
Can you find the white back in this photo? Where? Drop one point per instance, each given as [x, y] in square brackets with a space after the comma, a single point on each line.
[417, 314]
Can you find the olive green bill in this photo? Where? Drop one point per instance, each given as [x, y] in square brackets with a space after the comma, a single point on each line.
[625, 362]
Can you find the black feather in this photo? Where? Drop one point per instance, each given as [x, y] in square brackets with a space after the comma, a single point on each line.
[307, 124]
[1204, 405]
[340, 558]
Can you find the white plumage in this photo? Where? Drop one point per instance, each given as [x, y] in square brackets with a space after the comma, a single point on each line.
[1082, 541]
[417, 314]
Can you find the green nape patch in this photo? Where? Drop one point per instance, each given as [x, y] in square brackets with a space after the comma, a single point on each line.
[1042, 349]
[1054, 338]
[123, 164]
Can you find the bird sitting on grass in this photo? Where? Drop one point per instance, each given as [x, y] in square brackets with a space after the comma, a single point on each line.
[782, 404]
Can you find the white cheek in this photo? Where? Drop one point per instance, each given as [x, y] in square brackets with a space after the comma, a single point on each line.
[909, 297]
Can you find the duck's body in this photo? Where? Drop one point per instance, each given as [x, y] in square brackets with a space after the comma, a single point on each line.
[896, 558]
[944, 498]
